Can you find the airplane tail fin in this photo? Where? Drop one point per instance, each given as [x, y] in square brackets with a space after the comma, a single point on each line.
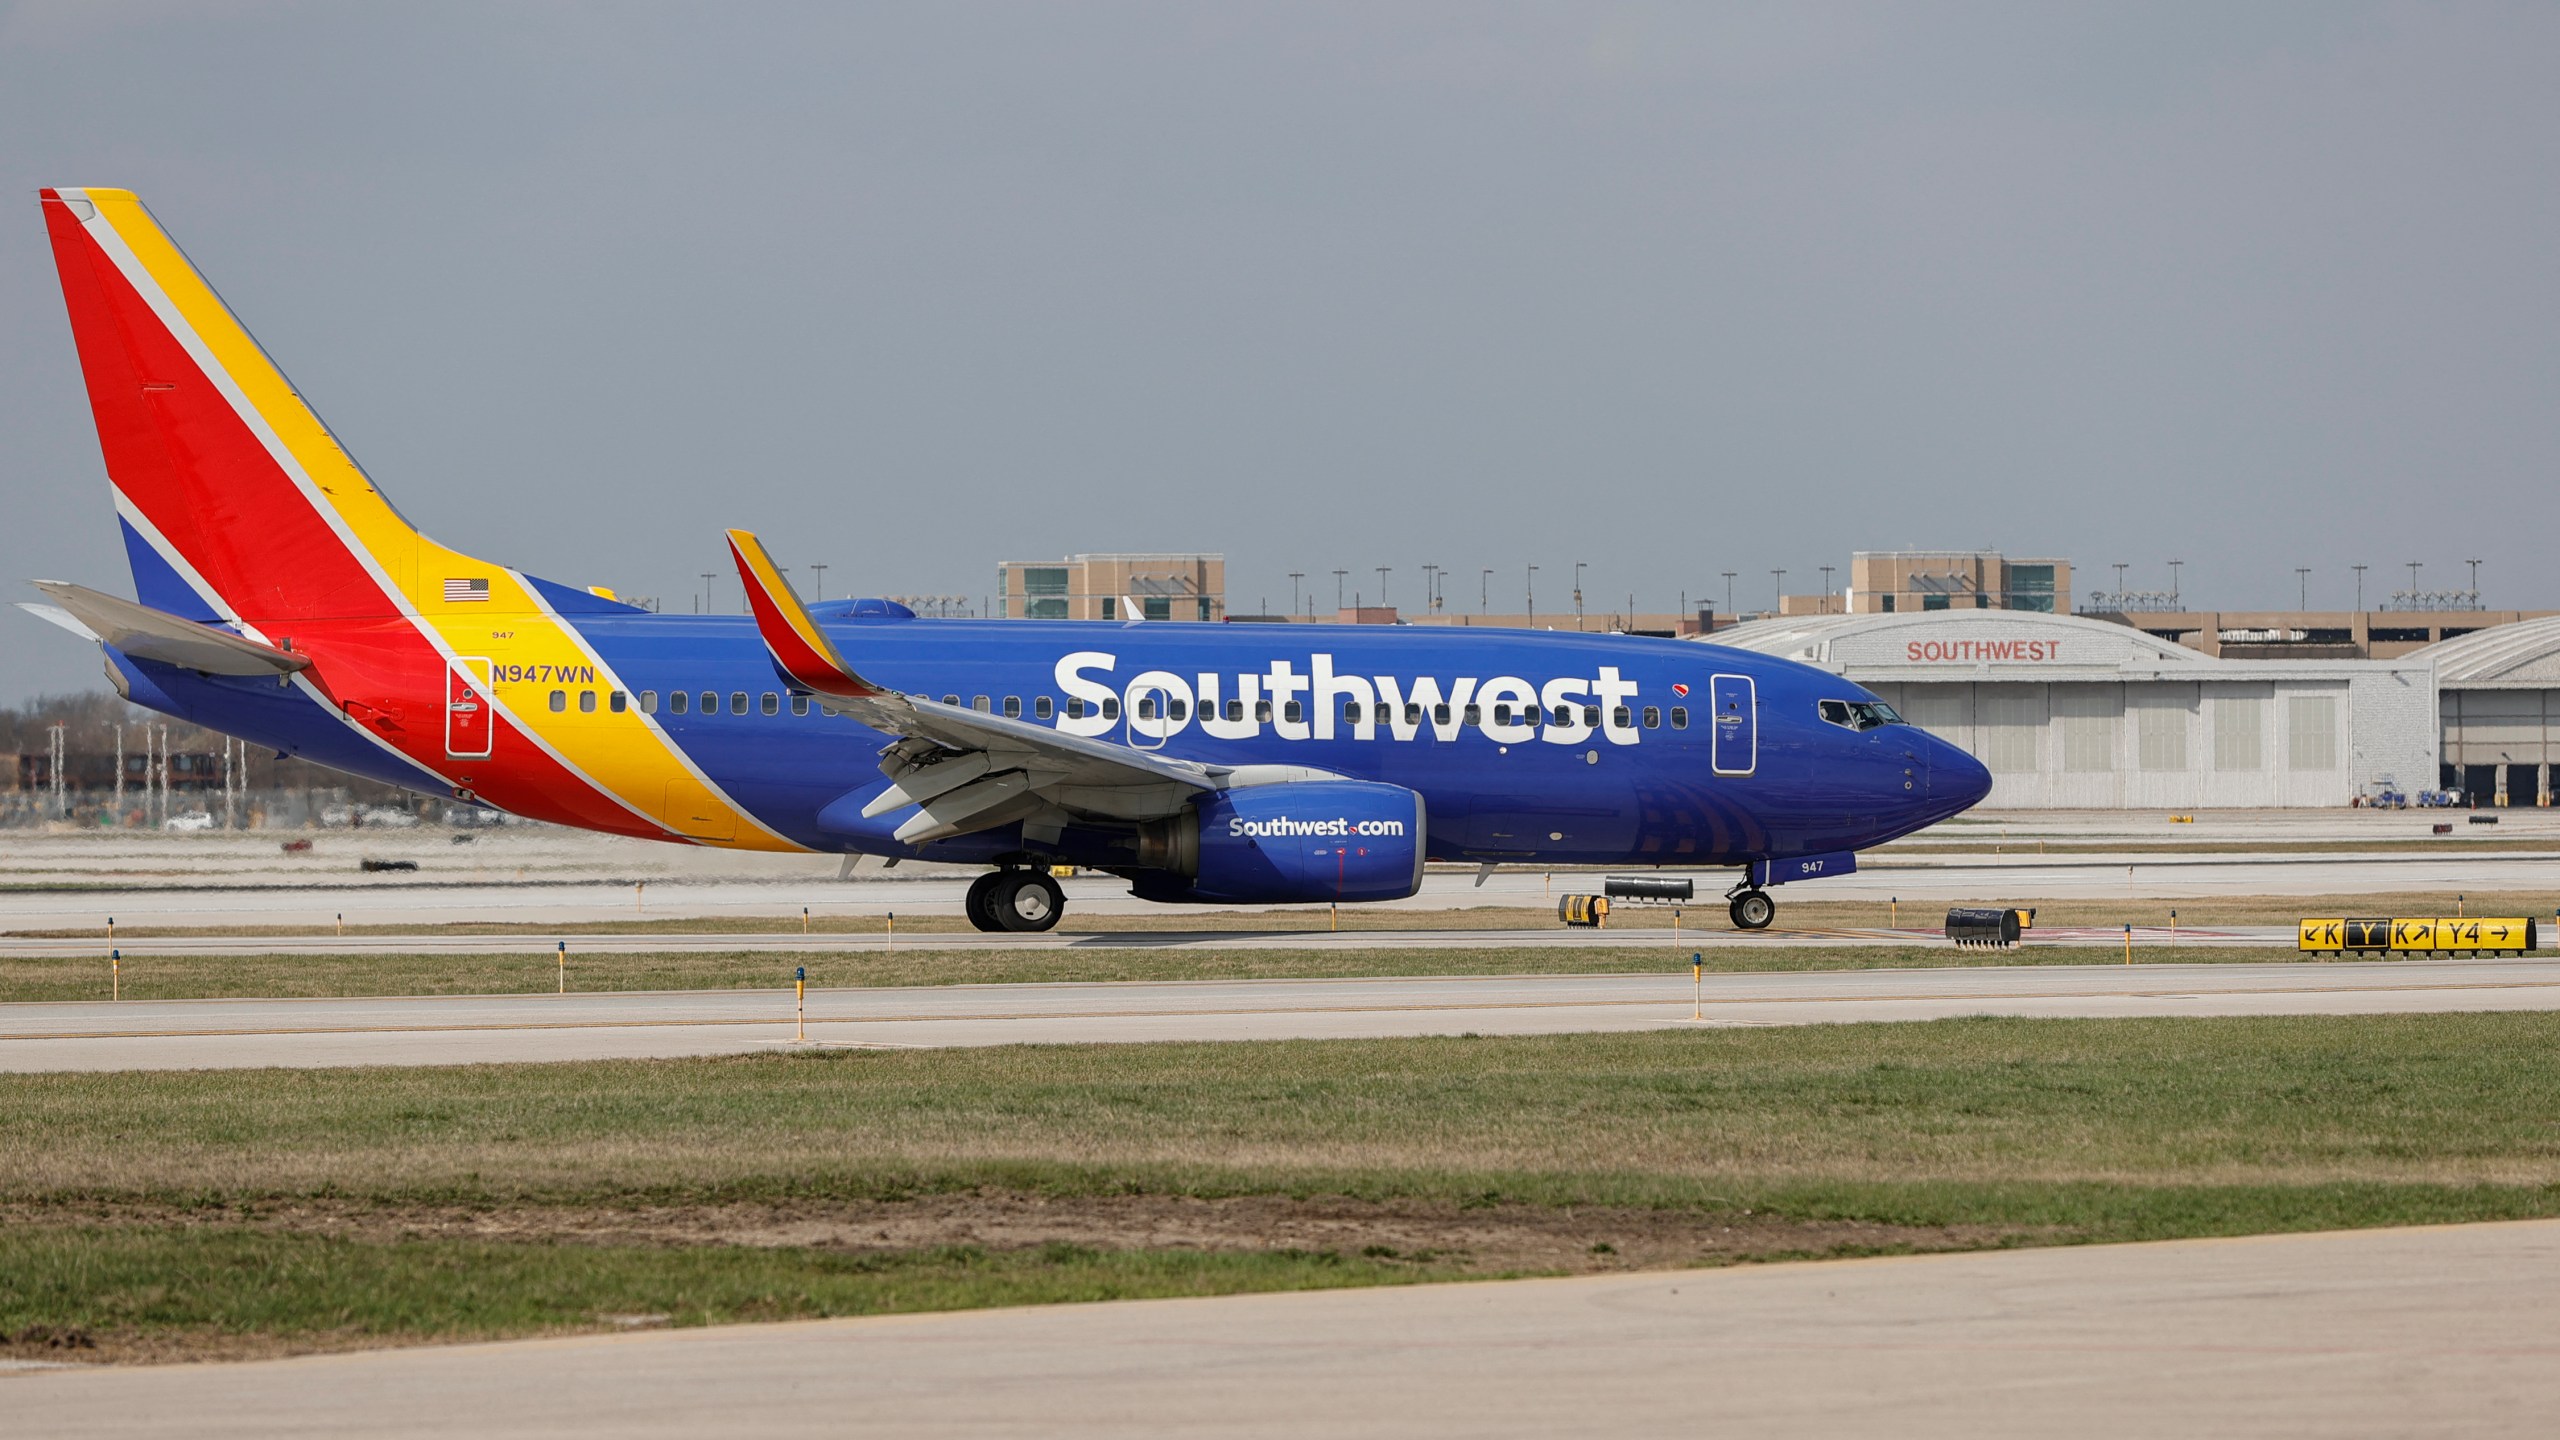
[236, 501]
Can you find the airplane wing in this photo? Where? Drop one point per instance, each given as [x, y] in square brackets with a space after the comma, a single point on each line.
[968, 770]
[148, 634]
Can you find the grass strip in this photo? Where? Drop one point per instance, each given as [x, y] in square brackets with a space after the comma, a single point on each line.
[157, 1209]
[536, 971]
[176, 1293]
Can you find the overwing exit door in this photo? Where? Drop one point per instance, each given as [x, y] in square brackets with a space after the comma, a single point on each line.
[467, 722]
[1734, 703]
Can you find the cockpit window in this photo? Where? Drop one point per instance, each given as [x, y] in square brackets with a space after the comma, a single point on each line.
[1857, 714]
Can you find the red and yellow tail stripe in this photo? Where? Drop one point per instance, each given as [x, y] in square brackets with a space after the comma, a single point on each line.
[796, 643]
[222, 467]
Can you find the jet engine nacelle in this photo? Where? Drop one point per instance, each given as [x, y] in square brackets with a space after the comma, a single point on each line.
[1297, 842]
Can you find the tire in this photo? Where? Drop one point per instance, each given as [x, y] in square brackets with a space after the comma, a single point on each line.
[1026, 901]
[1753, 910]
[979, 905]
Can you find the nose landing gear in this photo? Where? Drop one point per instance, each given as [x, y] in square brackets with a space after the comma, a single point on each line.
[1017, 900]
[1750, 907]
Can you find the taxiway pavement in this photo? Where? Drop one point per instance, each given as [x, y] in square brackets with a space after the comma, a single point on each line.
[438, 1030]
[2439, 1331]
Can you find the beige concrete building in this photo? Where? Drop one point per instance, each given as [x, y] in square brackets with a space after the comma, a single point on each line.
[1890, 582]
[1105, 587]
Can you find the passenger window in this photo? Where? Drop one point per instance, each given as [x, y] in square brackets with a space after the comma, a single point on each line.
[1475, 715]
[586, 702]
[799, 704]
[1147, 706]
[1350, 712]
[1679, 717]
[710, 702]
[1591, 717]
[1075, 707]
[1440, 714]
[1502, 714]
[648, 702]
[1178, 709]
[1621, 717]
[1412, 713]
[1013, 707]
[1653, 717]
[617, 702]
[1111, 707]
[772, 703]
[1043, 707]
[1235, 710]
[950, 699]
[737, 702]
[1563, 717]
[678, 701]
[1296, 711]
[1262, 711]
[559, 700]
[1386, 712]
[982, 704]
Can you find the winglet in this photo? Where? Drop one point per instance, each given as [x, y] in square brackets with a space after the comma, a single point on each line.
[800, 649]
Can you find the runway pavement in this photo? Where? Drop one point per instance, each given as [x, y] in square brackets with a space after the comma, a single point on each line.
[2438, 1331]
[232, 881]
[431, 1030]
[1710, 936]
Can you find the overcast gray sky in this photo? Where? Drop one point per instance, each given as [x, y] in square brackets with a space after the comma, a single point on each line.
[1673, 290]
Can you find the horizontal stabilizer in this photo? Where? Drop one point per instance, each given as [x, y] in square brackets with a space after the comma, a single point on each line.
[148, 634]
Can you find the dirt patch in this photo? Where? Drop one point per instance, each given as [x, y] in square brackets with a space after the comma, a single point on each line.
[1488, 1239]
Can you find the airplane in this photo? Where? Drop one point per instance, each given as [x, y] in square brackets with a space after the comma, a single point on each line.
[282, 599]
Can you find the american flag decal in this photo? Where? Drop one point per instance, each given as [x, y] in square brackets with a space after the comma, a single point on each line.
[458, 591]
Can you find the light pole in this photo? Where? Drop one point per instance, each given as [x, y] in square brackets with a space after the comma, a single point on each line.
[1382, 586]
[1430, 588]
[707, 577]
[1294, 577]
[2173, 582]
[2359, 569]
[2475, 582]
[817, 587]
[2302, 574]
[1728, 592]
[2413, 580]
[1577, 592]
[2121, 567]
[1780, 608]
[1337, 589]
[1484, 592]
[1826, 589]
[1533, 596]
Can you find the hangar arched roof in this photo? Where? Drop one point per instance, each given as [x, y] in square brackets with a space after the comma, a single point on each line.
[2523, 656]
[1996, 637]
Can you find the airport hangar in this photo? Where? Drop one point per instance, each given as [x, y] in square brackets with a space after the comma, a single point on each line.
[2075, 713]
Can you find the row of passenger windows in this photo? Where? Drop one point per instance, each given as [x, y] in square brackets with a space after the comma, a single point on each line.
[680, 702]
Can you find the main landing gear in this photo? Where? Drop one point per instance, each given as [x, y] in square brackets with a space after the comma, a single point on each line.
[1024, 900]
[1750, 906]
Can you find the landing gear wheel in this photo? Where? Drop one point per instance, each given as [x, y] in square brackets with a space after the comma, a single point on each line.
[1753, 910]
[979, 904]
[1026, 900]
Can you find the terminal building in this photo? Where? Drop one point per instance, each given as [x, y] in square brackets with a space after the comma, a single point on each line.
[2071, 712]
[1152, 586]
